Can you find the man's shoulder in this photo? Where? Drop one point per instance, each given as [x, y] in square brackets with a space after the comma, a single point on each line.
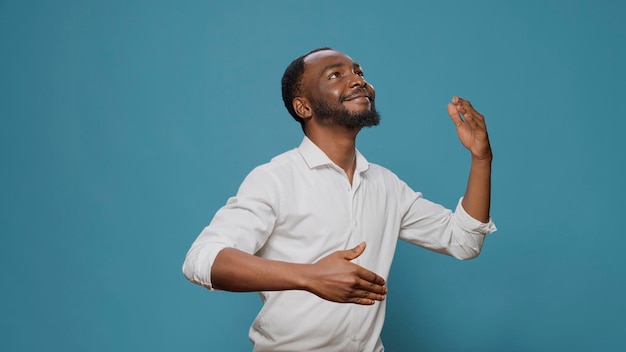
[392, 183]
[286, 157]
[279, 162]
[379, 170]
[271, 174]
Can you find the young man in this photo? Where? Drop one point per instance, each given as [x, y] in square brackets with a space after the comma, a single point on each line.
[298, 228]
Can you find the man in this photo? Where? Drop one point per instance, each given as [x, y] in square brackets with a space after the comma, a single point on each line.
[299, 225]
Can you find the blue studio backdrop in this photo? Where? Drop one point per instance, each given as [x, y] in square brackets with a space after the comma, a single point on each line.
[127, 124]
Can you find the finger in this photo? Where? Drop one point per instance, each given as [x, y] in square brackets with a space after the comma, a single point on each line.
[363, 301]
[370, 277]
[471, 115]
[455, 115]
[471, 111]
[461, 101]
[369, 295]
[376, 284]
[465, 107]
[377, 280]
[366, 299]
[355, 252]
[475, 121]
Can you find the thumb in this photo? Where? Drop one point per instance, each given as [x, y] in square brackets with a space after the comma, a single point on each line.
[455, 115]
[355, 252]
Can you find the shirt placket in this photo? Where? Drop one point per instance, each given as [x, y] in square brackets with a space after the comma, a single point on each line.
[355, 240]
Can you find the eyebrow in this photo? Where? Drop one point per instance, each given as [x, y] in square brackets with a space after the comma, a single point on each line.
[332, 66]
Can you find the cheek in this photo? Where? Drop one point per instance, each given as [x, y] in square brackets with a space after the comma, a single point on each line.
[332, 92]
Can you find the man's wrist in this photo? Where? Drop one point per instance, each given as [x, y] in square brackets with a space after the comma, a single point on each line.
[483, 159]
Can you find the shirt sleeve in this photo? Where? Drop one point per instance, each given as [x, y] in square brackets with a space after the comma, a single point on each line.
[431, 226]
[245, 223]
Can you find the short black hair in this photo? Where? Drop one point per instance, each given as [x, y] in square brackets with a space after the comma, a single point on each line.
[291, 83]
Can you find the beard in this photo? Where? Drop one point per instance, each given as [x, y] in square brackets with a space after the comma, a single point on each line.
[339, 115]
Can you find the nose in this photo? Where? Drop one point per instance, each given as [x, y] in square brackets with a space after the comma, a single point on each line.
[357, 81]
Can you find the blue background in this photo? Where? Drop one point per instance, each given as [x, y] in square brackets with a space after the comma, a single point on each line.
[126, 125]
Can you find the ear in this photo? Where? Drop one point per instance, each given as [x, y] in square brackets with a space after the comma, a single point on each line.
[302, 108]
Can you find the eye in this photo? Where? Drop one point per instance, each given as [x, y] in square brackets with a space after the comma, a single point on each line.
[334, 75]
[360, 73]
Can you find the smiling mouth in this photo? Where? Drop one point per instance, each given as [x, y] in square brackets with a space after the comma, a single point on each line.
[359, 95]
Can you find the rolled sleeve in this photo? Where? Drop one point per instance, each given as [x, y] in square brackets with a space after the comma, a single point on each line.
[431, 226]
[200, 259]
[468, 224]
[245, 223]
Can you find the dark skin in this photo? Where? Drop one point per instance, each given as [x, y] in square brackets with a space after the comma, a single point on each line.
[329, 78]
[334, 78]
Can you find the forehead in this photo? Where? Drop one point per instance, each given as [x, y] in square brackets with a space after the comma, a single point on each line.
[321, 60]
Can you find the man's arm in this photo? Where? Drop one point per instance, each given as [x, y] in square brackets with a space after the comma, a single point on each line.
[333, 278]
[222, 255]
[472, 132]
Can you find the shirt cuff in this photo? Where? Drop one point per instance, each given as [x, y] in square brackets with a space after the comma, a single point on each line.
[468, 223]
[199, 262]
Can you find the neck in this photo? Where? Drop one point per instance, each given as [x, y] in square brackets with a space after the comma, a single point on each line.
[339, 144]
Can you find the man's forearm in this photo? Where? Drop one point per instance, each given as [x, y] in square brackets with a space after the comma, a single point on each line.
[477, 199]
[334, 277]
[234, 270]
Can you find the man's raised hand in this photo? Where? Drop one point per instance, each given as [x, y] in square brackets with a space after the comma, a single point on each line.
[470, 127]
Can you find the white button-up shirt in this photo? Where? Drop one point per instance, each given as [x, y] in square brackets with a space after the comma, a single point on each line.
[299, 208]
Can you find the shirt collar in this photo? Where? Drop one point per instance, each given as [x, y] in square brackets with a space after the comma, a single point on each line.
[314, 156]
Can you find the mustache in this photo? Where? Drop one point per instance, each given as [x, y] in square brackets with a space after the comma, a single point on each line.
[355, 93]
